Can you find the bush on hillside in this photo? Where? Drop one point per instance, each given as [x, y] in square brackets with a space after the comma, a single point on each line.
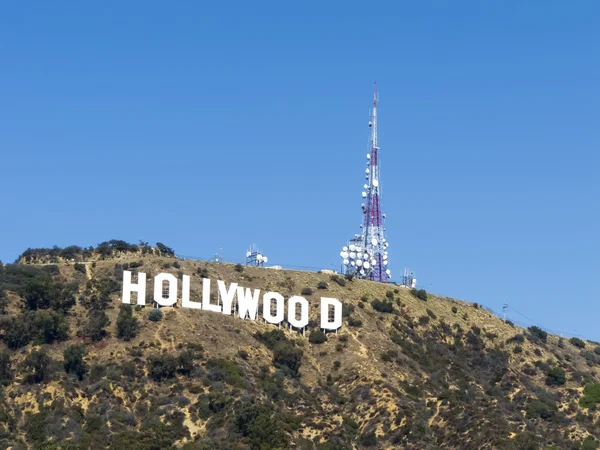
[43, 292]
[537, 409]
[155, 315]
[259, 424]
[127, 325]
[577, 342]
[96, 325]
[382, 306]
[556, 377]
[5, 368]
[322, 285]
[288, 357]
[353, 322]
[421, 294]
[164, 250]
[73, 360]
[591, 395]
[239, 268]
[537, 334]
[317, 337]
[339, 280]
[306, 291]
[161, 367]
[37, 365]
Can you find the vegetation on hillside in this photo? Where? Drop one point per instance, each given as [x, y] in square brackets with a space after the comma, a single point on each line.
[409, 370]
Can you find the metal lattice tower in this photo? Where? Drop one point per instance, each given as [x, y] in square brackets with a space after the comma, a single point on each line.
[366, 255]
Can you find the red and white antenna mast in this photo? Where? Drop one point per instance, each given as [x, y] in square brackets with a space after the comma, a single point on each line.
[366, 255]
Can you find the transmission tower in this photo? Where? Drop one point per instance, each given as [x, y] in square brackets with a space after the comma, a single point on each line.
[365, 255]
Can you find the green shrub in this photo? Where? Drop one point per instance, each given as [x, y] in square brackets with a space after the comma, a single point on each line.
[368, 439]
[271, 338]
[47, 326]
[383, 306]
[155, 315]
[424, 320]
[556, 377]
[306, 291]
[537, 334]
[96, 325]
[161, 367]
[287, 357]
[454, 309]
[577, 342]
[356, 323]
[538, 409]
[239, 268]
[339, 280]
[589, 444]
[186, 362]
[17, 332]
[80, 268]
[43, 292]
[322, 285]
[127, 325]
[421, 294]
[225, 370]
[412, 390]
[164, 250]
[347, 309]
[430, 313]
[73, 360]
[243, 354]
[37, 366]
[260, 426]
[317, 337]
[591, 395]
[5, 368]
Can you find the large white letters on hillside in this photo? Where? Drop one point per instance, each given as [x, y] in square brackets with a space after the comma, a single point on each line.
[139, 287]
[233, 299]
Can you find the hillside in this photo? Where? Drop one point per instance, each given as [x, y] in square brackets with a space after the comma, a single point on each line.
[79, 371]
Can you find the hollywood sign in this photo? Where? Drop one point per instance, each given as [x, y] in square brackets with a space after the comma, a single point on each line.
[233, 299]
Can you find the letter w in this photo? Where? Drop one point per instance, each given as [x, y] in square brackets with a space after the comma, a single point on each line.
[248, 302]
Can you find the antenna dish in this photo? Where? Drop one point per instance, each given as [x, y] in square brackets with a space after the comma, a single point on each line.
[352, 247]
[364, 194]
[248, 254]
[385, 262]
[265, 259]
[346, 262]
[375, 183]
[368, 156]
[359, 263]
[344, 248]
[373, 242]
[352, 255]
[366, 264]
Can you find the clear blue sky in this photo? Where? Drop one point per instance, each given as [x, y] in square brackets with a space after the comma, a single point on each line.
[221, 124]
